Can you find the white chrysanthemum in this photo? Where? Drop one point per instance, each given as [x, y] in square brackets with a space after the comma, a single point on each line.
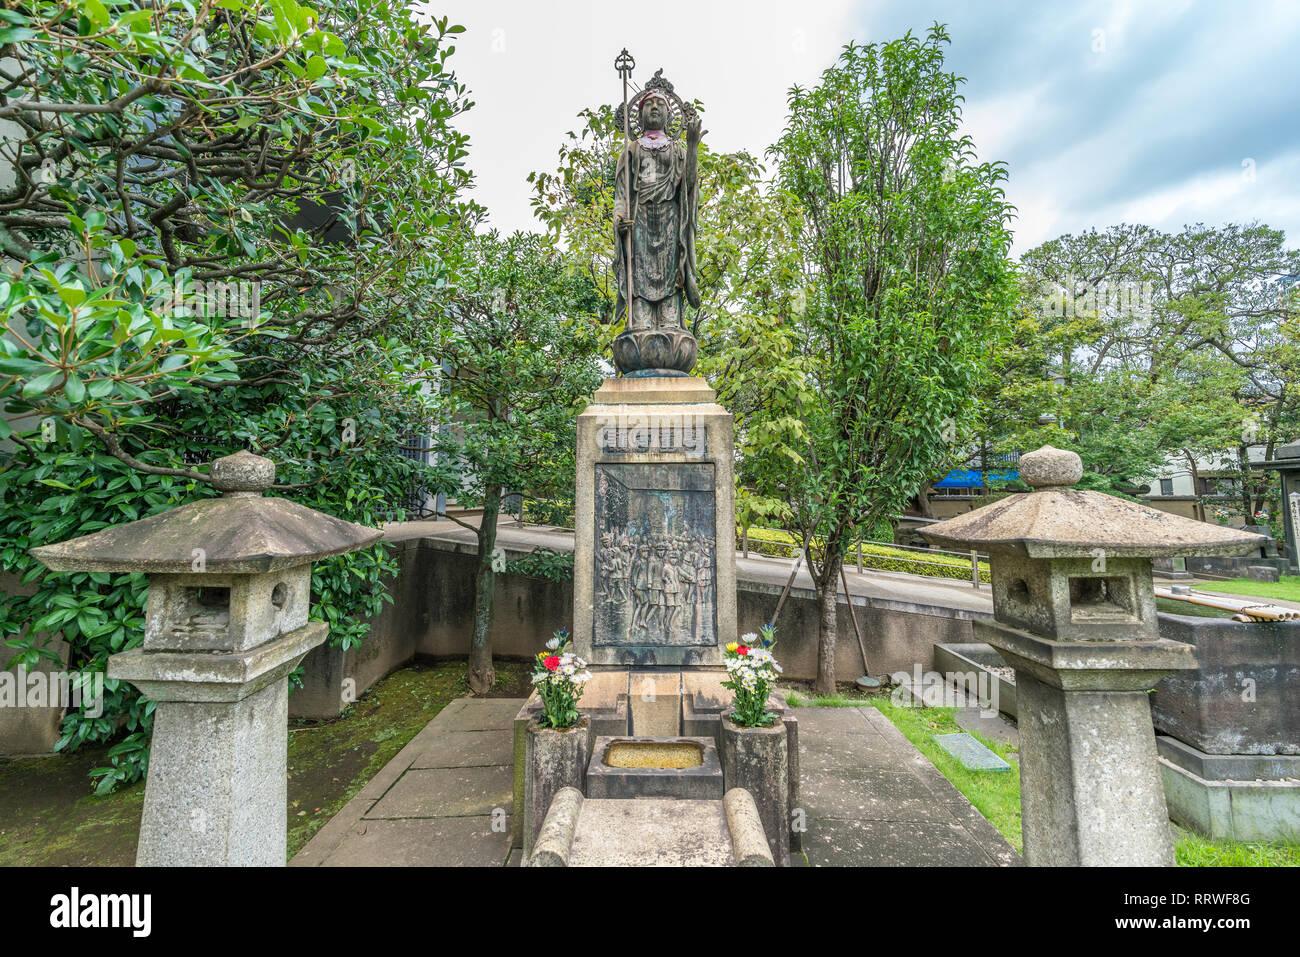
[553, 644]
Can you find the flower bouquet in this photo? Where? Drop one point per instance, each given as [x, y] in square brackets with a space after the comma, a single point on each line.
[559, 677]
[752, 672]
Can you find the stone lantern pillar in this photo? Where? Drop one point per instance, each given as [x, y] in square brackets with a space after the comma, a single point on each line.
[1074, 613]
[225, 622]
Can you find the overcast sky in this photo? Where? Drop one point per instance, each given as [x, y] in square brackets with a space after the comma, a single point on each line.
[1157, 112]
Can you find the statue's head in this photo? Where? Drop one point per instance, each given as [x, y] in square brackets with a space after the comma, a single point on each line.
[654, 111]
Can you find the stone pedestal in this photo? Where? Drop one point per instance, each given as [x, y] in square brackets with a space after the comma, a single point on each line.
[1090, 785]
[1235, 797]
[216, 792]
[654, 554]
[556, 760]
[757, 760]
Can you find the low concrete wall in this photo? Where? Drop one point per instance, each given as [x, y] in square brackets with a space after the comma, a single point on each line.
[333, 678]
[29, 730]
[433, 613]
[433, 610]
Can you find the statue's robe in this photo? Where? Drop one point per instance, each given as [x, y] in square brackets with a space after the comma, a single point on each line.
[665, 200]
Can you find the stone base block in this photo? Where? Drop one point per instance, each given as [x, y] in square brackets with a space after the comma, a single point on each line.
[1235, 797]
[655, 703]
[555, 760]
[756, 759]
[216, 794]
[603, 704]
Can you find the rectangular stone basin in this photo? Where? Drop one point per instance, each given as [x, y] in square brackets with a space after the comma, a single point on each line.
[654, 754]
[681, 767]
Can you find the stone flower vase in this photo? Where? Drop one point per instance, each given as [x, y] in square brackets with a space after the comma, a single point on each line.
[556, 758]
[756, 759]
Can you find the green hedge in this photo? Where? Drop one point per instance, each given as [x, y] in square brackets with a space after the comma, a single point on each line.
[773, 541]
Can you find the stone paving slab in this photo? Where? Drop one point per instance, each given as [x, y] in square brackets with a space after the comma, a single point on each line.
[444, 800]
[423, 842]
[870, 794]
[904, 813]
[450, 792]
[864, 748]
[467, 749]
[874, 843]
[972, 755]
[996, 727]
[482, 714]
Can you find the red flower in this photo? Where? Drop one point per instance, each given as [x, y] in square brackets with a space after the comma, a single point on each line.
[743, 650]
[551, 662]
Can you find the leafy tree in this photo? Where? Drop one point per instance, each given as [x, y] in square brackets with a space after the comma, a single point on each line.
[1160, 345]
[520, 349]
[905, 245]
[216, 215]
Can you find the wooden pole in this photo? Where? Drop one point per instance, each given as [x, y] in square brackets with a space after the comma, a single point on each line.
[789, 583]
[853, 616]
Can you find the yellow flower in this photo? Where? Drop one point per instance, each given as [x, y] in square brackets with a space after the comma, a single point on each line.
[732, 646]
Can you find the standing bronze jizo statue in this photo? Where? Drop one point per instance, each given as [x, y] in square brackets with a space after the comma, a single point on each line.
[656, 197]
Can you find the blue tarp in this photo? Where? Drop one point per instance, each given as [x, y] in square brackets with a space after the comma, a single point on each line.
[974, 478]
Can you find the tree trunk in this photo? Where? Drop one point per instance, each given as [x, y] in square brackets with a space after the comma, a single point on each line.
[1243, 466]
[923, 500]
[1198, 504]
[828, 591]
[482, 676]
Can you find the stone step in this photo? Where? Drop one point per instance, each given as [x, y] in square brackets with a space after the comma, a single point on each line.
[651, 832]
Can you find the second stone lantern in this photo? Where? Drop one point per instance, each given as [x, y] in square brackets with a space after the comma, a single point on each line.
[1074, 613]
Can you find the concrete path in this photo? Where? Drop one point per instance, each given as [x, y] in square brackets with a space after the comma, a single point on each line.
[443, 801]
[870, 798]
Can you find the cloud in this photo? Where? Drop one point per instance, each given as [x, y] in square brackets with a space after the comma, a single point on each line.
[1103, 111]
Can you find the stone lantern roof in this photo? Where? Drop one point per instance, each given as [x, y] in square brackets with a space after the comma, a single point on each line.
[1058, 521]
[241, 532]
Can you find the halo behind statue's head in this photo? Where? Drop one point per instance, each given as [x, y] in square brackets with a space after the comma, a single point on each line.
[679, 112]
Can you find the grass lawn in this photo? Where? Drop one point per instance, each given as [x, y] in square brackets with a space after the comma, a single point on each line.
[1287, 588]
[52, 818]
[996, 794]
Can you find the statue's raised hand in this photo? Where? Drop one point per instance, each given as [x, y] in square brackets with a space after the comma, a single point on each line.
[693, 131]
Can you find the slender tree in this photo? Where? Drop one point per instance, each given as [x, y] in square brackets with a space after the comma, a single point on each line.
[519, 345]
[905, 249]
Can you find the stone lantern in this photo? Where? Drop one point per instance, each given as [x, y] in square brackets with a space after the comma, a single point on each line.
[225, 622]
[1074, 613]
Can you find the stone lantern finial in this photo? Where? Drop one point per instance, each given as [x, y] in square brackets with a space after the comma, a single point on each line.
[1050, 467]
[242, 472]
